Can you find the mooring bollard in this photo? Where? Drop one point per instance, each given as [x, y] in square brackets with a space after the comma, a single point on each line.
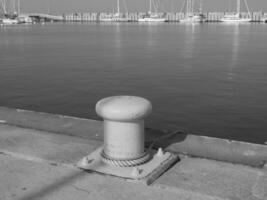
[123, 153]
[123, 127]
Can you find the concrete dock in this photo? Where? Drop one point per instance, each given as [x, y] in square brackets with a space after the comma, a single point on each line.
[39, 153]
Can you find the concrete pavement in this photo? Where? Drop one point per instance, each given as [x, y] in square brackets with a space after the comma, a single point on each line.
[41, 164]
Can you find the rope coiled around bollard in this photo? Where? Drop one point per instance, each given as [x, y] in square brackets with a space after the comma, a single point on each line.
[125, 163]
[143, 159]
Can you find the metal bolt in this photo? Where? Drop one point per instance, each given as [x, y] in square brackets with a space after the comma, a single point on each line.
[84, 162]
[136, 172]
[160, 152]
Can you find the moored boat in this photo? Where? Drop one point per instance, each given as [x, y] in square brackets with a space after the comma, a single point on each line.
[24, 19]
[9, 21]
[236, 18]
[264, 18]
[151, 16]
[117, 17]
[190, 16]
[195, 18]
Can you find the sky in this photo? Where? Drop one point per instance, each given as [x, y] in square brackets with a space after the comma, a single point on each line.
[72, 6]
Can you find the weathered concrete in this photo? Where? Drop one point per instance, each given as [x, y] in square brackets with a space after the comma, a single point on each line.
[66, 125]
[181, 143]
[36, 163]
[44, 146]
[220, 149]
[41, 165]
[225, 180]
[26, 180]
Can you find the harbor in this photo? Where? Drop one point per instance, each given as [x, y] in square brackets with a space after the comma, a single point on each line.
[259, 17]
[190, 12]
[103, 100]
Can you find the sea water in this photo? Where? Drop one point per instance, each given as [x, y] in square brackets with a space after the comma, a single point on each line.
[209, 79]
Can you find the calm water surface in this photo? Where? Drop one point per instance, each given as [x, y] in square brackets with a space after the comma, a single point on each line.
[209, 79]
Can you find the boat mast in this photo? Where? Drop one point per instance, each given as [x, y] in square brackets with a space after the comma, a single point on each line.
[18, 7]
[4, 6]
[246, 3]
[200, 6]
[150, 6]
[189, 8]
[118, 8]
[13, 4]
[238, 7]
[49, 7]
[192, 7]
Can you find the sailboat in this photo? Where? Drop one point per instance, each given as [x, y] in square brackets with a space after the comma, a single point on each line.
[117, 17]
[9, 19]
[151, 17]
[236, 18]
[190, 16]
[264, 18]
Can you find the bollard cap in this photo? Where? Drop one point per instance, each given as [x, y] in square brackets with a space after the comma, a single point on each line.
[123, 108]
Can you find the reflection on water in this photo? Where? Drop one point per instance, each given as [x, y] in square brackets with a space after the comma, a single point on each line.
[236, 43]
[118, 41]
[190, 37]
[235, 50]
[118, 36]
[209, 79]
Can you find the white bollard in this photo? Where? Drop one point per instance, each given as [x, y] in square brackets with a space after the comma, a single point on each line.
[124, 126]
[123, 153]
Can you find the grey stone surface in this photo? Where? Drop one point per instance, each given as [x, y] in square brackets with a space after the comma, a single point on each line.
[221, 149]
[198, 146]
[85, 128]
[39, 164]
[41, 145]
[225, 180]
[28, 180]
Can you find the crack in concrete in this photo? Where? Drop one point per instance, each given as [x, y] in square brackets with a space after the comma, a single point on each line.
[81, 189]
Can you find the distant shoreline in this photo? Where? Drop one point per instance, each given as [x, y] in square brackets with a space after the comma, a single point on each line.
[170, 16]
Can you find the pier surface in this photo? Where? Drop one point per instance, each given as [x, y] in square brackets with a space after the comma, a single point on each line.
[39, 152]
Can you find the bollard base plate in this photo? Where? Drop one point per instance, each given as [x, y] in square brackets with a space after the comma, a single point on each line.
[146, 173]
